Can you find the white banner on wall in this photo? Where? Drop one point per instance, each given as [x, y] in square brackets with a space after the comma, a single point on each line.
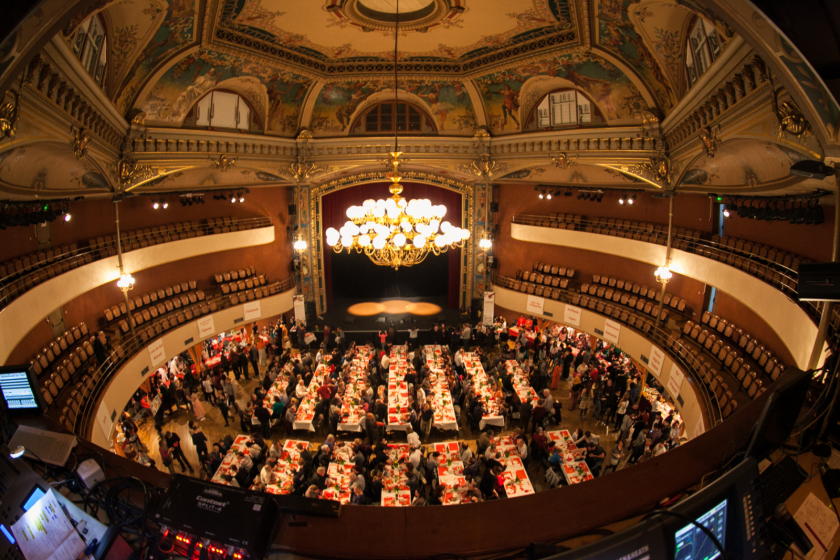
[675, 381]
[612, 330]
[698, 427]
[657, 357]
[251, 311]
[572, 316]
[300, 309]
[104, 420]
[489, 308]
[206, 327]
[157, 353]
[535, 305]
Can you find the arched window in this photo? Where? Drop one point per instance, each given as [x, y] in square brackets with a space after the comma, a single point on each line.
[565, 108]
[90, 45]
[222, 109]
[382, 117]
[701, 50]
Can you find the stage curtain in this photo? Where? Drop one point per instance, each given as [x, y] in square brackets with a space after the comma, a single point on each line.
[334, 208]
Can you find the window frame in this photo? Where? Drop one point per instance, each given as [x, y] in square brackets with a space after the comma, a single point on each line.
[252, 126]
[91, 50]
[580, 100]
[364, 118]
[700, 56]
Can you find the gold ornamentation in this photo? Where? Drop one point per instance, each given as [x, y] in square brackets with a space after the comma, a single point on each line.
[656, 171]
[139, 118]
[80, 143]
[791, 120]
[562, 161]
[9, 116]
[223, 163]
[708, 138]
[125, 170]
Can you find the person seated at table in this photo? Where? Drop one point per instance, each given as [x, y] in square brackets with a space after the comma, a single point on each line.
[555, 458]
[214, 459]
[471, 467]
[313, 492]
[267, 472]
[322, 459]
[595, 455]
[487, 486]
[319, 479]
[357, 481]
[231, 481]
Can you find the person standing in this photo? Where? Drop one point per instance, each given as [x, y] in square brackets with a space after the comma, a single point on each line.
[198, 408]
[427, 420]
[173, 441]
[412, 336]
[243, 363]
[254, 355]
[166, 456]
[466, 337]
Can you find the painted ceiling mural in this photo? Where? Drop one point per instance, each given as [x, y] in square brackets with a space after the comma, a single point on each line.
[448, 101]
[47, 167]
[613, 92]
[197, 73]
[330, 30]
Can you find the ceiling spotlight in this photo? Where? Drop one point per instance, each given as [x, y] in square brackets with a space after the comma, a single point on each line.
[241, 197]
[232, 199]
[67, 217]
[568, 192]
[580, 195]
[541, 195]
[164, 204]
[632, 199]
[726, 212]
[548, 195]
[156, 205]
[622, 199]
[600, 197]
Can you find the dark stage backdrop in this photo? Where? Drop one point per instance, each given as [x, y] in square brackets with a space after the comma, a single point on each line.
[355, 275]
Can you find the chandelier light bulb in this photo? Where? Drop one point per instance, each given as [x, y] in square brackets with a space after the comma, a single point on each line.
[419, 241]
[399, 240]
[364, 241]
[379, 242]
[300, 245]
[663, 274]
[126, 282]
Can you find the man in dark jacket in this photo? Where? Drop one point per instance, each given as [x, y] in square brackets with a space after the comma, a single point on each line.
[254, 355]
[525, 415]
[243, 363]
[173, 441]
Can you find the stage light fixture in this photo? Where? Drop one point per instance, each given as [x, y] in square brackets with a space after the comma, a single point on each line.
[541, 195]
[568, 192]
[164, 204]
[232, 199]
[726, 212]
[632, 199]
[600, 197]
[548, 195]
[622, 199]
[67, 217]
[241, 197]
[580, 195]
[156, 205]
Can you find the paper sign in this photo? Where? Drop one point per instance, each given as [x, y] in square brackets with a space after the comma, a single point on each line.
[251, 311]
[489, 308]
[104, 420]
[206, 327]
[611, 331]
[300, 309]
[572, 315]
[157, 353]
[535, 305]
[657, 357]
[698, 427]
[675, 381]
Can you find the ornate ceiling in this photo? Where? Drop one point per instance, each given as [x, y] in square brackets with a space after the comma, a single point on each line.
[469, 65]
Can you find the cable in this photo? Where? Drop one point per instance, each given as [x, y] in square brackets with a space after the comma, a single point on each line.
[696, 524]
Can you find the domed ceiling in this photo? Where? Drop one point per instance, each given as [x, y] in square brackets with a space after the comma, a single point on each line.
[312, 63]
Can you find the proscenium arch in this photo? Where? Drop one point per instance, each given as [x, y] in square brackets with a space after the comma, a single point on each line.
[317, 192]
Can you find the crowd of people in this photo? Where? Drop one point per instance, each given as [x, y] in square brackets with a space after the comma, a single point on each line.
[604, 384]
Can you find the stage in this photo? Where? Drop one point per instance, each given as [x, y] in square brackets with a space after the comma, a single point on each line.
[362, 316]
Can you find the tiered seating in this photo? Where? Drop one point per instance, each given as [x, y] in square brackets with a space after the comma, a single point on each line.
[78, 388]
[774, 266]
[750, 364]
[633, 295]
[240, 280]
[718, 381]
[548, 275]
[61, 347]
[257, 293]
[22, 274]
[155, 303]
[560, 221]
[147, 327]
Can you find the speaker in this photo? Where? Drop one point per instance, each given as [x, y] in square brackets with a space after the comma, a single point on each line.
[311, 314]
[475, 309]
[350, 319]
[494, 206]
[492, 262]
[292, 209]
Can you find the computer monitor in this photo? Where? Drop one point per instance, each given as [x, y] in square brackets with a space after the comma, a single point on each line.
[780, 413]
[643, 541]
[20, 392]
[729, 508]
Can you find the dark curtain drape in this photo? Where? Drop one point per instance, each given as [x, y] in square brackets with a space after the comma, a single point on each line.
[334, 207]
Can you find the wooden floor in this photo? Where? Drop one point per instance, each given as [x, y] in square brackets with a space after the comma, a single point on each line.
[215, 430]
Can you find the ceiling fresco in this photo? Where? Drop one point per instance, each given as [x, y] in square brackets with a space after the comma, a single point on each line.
[47, 168]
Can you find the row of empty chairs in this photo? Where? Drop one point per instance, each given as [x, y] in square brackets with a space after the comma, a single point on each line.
[559, 221]
[162, 324]
[234, 275]
[246, 284]
[605, 308]
[554, 270]
[624, 298]
[58, 348]
[155, 298]
[642, 291]
[775, 267]
[184, 302]
[257, 293]
[542, 279]
[23, 273]
[70, 393]
[710, 375]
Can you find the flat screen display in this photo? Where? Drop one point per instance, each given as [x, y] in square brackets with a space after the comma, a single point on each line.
[18, 391]
[694, 544]
[32, 499]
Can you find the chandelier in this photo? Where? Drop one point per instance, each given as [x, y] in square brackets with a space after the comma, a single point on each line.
[396, 232]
